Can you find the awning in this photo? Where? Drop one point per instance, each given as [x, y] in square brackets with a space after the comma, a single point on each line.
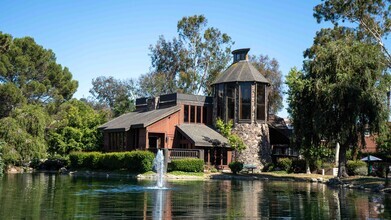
[202, 136]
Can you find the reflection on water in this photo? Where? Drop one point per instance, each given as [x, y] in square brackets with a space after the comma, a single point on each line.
[40, 196]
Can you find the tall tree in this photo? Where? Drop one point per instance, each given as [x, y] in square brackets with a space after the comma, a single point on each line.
[371, 17]
[190, 62]
[74, 128]
[33, 70]
[117, 94]
[270, 68]
[23, 134]
[345, 85]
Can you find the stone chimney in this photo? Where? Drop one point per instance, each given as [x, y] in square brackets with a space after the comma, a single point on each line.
[240, 54]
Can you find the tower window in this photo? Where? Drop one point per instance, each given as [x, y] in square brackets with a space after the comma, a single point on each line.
[245, 101]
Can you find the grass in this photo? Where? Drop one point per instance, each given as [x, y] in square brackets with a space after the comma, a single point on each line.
[181, 173]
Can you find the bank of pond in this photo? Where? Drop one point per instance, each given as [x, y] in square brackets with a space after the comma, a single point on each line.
[56, 196]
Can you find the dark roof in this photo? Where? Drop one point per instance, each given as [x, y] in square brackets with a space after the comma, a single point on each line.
[202, 135]
[242, 71]
[138, 119]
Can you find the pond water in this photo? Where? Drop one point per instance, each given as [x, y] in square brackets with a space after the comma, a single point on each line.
[49, 196]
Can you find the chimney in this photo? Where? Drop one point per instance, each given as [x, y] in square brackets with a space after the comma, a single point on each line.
[240, 54]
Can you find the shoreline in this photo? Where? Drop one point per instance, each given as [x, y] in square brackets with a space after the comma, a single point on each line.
[365, 183]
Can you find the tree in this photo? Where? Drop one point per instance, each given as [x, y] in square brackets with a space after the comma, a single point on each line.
[23, 134]
[190, 62]
[33, 70]
[116, 94]
[344, 87]
[233, 139]
[372, 18]
[75, 128]
[270, 69]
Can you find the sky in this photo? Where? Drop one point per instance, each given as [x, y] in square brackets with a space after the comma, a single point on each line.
[112, 38]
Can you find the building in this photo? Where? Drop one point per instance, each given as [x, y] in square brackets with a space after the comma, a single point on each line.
[181, 122]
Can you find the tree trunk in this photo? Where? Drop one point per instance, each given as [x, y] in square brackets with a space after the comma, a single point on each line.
[307, 167]
[342, 172]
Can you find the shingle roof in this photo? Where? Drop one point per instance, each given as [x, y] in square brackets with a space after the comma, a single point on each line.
[242, 71]
[202, 135]
[138, 119]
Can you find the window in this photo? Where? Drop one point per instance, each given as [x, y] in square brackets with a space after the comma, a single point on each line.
[261, 102]
[245, 101]
[205, 115]
[186, 114]
[220, 106]
[192, 114]
[230, 100]
[198, 114]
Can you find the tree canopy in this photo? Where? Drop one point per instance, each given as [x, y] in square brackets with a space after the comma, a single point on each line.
[190, 62]
[340, 92]
[270, 68]
[118, 95]
[29, 69]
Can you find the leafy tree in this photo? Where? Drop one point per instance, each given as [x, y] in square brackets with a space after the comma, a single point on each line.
[233, 139]
[270, 69]
[190, 62]
[384, 139]
[33, 70]
[75, 128]
[343, 87]
[11, 97]
[23, 133]
[369, 17]
[116, 94]
[1, 158]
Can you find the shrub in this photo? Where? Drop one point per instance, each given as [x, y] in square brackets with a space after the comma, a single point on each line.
[298, 166]
[134, 161]
[284, 163]
[187, 165]
[236, 167]
[357, 167]
[139, 161]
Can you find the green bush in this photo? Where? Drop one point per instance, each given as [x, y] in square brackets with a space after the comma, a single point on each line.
[187, 165]
[134, 161]
[298, 166]
[284, 164]
[139, 161]
[357, 167]
[235, 167]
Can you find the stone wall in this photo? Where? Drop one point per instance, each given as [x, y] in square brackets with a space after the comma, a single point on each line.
[256, 138]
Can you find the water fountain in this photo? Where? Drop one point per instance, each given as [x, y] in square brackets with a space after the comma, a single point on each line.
[158, 165]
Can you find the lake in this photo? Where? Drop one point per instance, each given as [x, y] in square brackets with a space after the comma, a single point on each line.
[50, 196]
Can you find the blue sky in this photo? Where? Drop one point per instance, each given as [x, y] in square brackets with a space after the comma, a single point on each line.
[112, 38]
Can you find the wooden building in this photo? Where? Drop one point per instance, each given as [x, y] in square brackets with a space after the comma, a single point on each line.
[185, 122]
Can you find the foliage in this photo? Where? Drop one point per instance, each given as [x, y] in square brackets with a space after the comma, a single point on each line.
[1, 158]
[134, 161]
[233, 139]
[369, 18]
[24, 135]
[384, 139]
[33, 72]
[75, 128]
[190, 62]
[340, 92]
[284, 163]
[187, 165]
[270, 69]
[236, 167]
[116, 94]
[357, 167]
[298, 166]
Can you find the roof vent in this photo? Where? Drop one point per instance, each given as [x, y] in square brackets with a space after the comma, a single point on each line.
[240, 54]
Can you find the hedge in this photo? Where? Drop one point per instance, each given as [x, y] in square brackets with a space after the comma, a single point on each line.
[284, 164]
[187, 165]
[134, 161]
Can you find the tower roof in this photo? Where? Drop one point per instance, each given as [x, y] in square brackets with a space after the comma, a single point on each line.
[241, 70]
